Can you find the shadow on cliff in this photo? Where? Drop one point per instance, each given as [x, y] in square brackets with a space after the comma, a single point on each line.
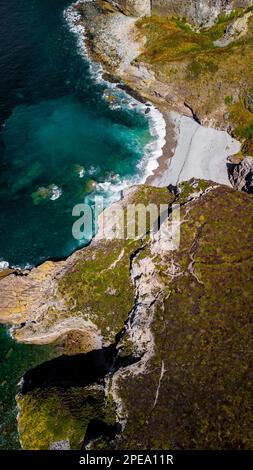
[69, 371]
[79, 370]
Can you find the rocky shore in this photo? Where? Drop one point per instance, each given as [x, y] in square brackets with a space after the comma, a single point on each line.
[167, 330]
[177, 323]
[114, 40]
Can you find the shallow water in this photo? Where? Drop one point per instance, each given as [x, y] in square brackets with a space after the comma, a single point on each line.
[60, 131]
[57, 124]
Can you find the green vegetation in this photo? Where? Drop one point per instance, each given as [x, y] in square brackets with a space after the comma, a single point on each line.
[186, 188]
[170, 39]
[202, 331]
[201, 325]
[242, 120]
[213, 80]
[99, 287]
[230, 17]
[196, 68]
[173, 39]
[228, 100]
[48, 416]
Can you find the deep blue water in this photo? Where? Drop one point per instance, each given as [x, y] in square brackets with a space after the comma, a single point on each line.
[54, 122]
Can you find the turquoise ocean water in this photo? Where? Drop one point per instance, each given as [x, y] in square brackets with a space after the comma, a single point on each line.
[64, 136]
[57, 124]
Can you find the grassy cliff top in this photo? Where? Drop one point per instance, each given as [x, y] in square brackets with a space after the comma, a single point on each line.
[209, 69]
[182, 373]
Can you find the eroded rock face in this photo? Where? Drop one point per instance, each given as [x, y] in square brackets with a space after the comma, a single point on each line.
[87, 297]
[198, 11]
[194, 392]
[133, 7]
[241, 175]
[179, 321]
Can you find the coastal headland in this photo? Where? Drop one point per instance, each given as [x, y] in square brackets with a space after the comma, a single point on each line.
[167, 332]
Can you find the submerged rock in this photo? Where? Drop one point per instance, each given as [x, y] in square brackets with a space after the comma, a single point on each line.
[56, 192]
[27, 177]
[52, 192]
[90, 185]
[79, 170]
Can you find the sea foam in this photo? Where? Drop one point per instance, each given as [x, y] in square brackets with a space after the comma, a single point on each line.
[157, 125]
[4, 265]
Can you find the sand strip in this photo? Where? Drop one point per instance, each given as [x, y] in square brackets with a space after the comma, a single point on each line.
[200, 153]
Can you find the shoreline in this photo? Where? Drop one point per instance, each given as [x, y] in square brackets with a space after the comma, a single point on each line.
[101, 75]
[158, 124]
[190, 150]
[171, 141]
[117, 300]
[200, 153]
[171, 148]
[164, 160]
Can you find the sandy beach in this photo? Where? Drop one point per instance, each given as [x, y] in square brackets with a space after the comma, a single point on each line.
[195, 152]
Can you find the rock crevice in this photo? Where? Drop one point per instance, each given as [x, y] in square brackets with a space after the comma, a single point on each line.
[200, 12]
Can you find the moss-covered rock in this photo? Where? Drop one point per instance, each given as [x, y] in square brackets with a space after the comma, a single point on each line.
[58, 416]
[90, 294]
[214, 81]
[195, 391]
[181, 375]
[99, 287]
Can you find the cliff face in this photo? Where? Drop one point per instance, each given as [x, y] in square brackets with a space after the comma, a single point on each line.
[181, 319]
[133, 7]
[197, 11]
[207, 73]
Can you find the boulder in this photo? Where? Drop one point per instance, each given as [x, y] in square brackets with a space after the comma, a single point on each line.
[241, 175]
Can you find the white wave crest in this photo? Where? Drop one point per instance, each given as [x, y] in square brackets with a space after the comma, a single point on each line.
[56, 193]
[4, 265]
[119, 99]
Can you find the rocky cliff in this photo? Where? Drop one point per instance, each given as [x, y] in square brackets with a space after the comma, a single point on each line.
[132, 7]
[198, 11]
[206, 73]
[153, 343]
[162, 336]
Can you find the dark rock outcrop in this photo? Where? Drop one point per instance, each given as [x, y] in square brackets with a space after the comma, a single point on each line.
[241, 175]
